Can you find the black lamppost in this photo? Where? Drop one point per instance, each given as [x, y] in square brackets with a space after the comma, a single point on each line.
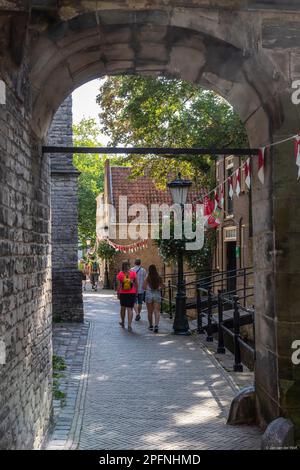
[106, 283]
[179, 191]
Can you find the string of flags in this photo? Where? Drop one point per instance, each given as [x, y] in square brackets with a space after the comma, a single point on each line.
[212, 207]
[132, 248]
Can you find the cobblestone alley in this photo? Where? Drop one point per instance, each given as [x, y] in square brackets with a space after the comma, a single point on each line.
[140, 390]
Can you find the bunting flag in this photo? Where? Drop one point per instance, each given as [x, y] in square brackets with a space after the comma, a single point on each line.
[222, 196]
[217, 214]
[261, 164]
[212, 222]
[212, 211]
[238, 182]
[297, 153]
[209, 206]
[217, 200]
[230, 184]
[247, 169]
[129, 248]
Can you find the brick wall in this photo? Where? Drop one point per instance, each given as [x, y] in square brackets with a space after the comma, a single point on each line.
[148, 255]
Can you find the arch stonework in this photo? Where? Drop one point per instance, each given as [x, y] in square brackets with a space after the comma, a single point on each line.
[246, 56]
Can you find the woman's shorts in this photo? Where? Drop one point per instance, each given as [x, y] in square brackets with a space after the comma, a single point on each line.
[153, 296]
[127, 300]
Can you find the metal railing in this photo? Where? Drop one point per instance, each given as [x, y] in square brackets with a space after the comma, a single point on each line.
[211, 302]
[169, 299]
[215, 280]
[219, 280]
[238, 342]
[231, 326]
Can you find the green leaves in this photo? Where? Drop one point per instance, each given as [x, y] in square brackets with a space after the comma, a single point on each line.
[105, 250]
[91, 179]
[198, 260]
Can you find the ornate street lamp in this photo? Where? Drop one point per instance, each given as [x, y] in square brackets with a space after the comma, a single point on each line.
[179, 190]
[88, 245]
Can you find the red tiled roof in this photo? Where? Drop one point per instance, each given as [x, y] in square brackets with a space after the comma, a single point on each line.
[141, 190]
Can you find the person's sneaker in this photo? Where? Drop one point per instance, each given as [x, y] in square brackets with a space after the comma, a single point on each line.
[130, 329]
[121, 324]
[155, 329]
[150, 327]
[138, 317]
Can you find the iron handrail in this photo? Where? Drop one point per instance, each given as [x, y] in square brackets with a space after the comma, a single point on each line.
[235, 273]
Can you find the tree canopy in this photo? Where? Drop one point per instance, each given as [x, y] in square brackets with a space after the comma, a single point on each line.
[157, 112]
[91, 178]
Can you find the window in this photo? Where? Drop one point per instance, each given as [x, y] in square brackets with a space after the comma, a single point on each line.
[229, 234]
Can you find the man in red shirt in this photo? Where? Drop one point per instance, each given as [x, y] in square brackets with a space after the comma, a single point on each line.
[127, 289]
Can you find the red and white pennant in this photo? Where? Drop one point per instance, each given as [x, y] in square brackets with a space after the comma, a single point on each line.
[238, 182]
[297, 153]
[247, 170]
[261, 164]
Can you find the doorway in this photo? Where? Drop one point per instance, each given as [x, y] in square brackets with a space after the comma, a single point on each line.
[231, 266]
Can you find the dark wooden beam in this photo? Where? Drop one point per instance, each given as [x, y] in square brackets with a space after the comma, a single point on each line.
[164, 151]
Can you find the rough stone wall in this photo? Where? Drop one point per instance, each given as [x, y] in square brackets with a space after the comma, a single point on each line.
[66, 288]
[25, 281]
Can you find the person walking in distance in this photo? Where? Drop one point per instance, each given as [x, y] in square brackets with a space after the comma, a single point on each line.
[127, 289]
[84, 268]
[152, 286]
[141, 276]
[94, 273]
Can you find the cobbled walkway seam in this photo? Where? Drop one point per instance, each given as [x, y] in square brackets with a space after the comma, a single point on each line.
[73, 382]
[74, 435]
[232, 383]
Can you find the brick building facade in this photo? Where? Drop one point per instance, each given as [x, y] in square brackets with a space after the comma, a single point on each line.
[142, 190]
[234, 244]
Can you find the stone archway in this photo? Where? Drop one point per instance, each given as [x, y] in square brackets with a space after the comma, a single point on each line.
[237, 53]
